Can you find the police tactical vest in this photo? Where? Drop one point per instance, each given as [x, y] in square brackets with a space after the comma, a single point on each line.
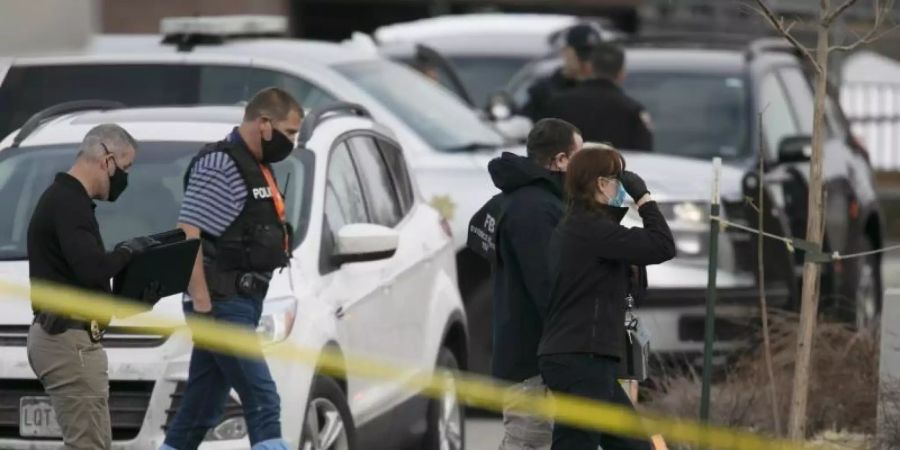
[255, 240]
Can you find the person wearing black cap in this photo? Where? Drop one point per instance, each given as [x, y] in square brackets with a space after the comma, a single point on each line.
[599, 107]
[580, 41]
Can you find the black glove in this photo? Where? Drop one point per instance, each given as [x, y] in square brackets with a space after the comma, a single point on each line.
[137, 245]
[634, 185]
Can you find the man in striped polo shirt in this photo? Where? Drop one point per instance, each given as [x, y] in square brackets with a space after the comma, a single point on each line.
[232, 204]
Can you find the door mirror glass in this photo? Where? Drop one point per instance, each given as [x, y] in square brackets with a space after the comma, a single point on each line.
[362, 242]
[795, 149]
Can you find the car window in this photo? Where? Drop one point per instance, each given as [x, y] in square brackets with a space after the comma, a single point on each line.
[777, 120]
[484, 76]
[227, 85]
[439, 117]
[687, 124]
[797, 87]
[344, 204]
[150, 204]
[378, 187]
[28, 89]
[396, 163]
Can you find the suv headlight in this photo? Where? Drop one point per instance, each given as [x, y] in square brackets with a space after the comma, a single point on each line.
[690, 212]
[277, 319]
[689, 224]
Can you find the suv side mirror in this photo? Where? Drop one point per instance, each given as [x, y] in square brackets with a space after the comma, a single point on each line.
[500, 106]
[795, 149]
[364, 242]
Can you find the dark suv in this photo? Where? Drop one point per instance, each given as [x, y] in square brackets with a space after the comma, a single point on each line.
[706, 98]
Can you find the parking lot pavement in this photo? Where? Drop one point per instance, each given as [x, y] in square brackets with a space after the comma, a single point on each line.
[483, 433]
[890, 269]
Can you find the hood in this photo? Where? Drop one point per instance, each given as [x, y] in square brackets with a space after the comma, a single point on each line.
[675, 178]
[510, 172]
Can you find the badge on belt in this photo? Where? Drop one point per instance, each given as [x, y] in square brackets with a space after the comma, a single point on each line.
[96, 331]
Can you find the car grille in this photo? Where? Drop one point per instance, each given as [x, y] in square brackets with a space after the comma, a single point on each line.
[232, 407]
[128, 401]
[116, 337]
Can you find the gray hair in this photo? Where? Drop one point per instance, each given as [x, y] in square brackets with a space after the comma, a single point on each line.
[106, 137]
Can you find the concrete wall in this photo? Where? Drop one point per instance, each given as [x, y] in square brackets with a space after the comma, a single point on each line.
[143, 16]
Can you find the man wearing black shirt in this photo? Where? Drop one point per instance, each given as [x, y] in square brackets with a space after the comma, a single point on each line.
[580, 42]
[599, 107]
[65, 247]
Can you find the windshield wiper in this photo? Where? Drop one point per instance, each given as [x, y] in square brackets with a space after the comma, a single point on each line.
[471, 147]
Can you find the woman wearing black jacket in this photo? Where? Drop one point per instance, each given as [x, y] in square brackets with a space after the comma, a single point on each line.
[590, 259]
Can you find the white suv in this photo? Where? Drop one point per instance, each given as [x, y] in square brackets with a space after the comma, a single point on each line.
[447, 145]
[404, 307]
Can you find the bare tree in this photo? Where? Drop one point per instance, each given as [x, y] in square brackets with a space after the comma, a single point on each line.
[818, 60]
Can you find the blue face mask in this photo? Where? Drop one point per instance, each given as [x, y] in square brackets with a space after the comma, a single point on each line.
[619, 199]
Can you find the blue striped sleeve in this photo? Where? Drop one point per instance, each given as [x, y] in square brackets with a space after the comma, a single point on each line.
[215, 194]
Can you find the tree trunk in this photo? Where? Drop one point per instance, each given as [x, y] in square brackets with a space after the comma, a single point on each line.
[810, 295]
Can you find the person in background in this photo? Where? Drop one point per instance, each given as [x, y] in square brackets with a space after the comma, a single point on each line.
[599, 107]
[590, 258]
[65, 247]
[232, 204]
[532, 188]
[580, 41]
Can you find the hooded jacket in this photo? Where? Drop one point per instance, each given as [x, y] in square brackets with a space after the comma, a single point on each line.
[533, 206]
[590, 259]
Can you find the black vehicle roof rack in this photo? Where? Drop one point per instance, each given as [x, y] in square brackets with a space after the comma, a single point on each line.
[188, 32]
[319, 115]
[36, 120]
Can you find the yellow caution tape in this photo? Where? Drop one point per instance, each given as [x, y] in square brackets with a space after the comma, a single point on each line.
[473, 390]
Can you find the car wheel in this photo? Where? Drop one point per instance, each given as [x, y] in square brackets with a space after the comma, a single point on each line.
[867, 304]
[328, 424]
[446, 416]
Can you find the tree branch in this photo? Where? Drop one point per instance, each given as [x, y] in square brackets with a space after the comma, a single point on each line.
[834, 14]
[882, 14]
[779, 26]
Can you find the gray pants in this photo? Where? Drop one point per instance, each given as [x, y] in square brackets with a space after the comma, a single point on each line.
[523, 431]
[74, 372]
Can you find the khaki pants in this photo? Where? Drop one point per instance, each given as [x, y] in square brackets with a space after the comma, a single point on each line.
[74, 372]
[523, 431]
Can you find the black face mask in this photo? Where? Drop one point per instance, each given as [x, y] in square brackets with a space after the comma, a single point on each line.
[276, 149]
[118, 181]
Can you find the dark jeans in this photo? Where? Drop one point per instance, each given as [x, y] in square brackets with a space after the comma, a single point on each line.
[591, 377]
[212, 375]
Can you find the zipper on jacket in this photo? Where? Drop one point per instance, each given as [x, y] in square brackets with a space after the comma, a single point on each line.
[594, 322]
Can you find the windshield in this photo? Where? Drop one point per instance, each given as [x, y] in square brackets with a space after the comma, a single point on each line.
[484, 76]
[434, 113]
[28, 89]
[715, 123]
[149, 205]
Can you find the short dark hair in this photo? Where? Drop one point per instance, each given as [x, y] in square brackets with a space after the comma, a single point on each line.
[272, 102]
[550, 137]
[607, 60]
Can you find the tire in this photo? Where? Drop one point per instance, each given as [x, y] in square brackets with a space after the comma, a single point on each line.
[327, 424]
[863, 310]
[446, 417]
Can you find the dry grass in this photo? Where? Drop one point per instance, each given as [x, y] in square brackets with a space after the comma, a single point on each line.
[842, 394]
